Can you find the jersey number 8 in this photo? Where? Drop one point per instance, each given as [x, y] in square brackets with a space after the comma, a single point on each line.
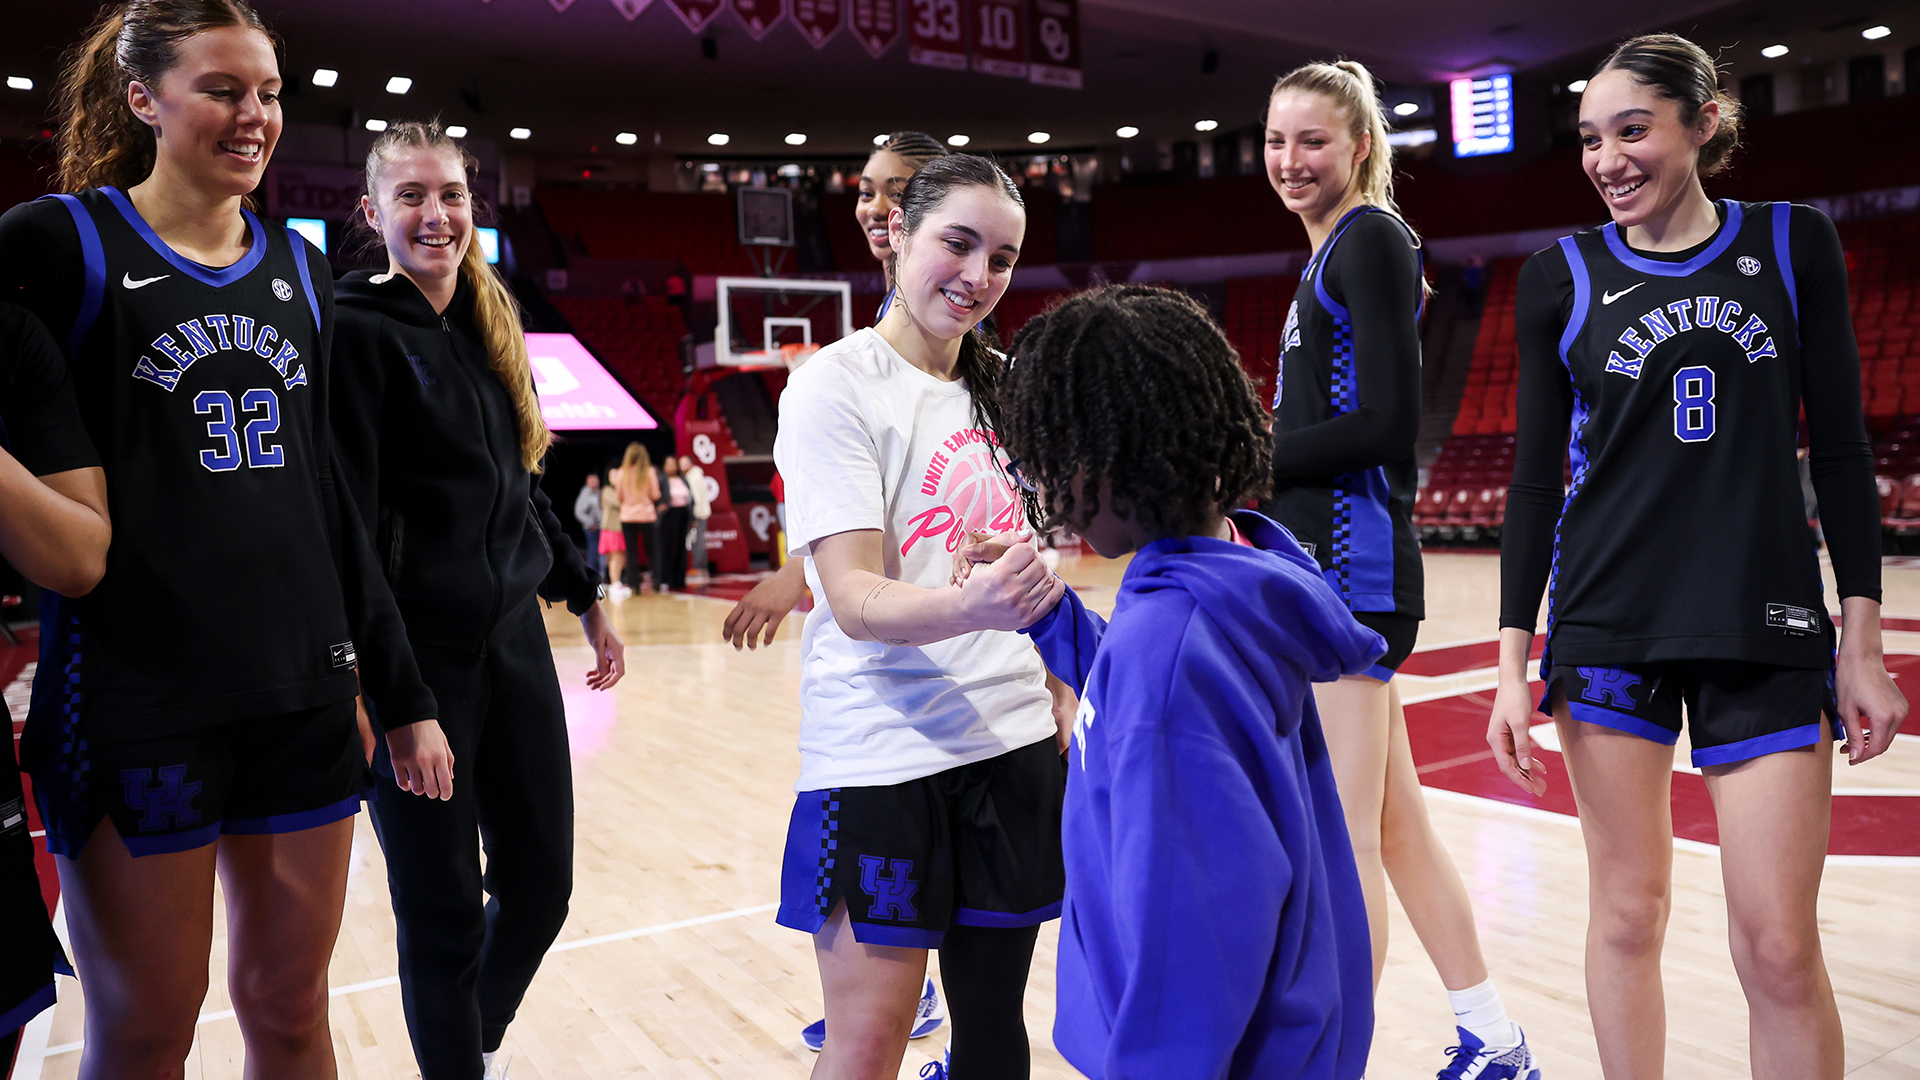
[1693, 404]
[248, 444]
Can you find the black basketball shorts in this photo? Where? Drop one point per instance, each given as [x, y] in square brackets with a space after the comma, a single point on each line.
[1401, 631]
[976, 845]
[264, 774]
[1736, 710]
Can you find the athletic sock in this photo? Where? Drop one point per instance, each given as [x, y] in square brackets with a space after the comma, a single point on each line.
[1480, 1011]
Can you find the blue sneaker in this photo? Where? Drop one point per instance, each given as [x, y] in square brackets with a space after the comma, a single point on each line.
[926, 1021]
[1473, 1061]
[937, 1070]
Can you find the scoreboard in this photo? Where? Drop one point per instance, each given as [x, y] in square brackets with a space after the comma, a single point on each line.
[1482, 116]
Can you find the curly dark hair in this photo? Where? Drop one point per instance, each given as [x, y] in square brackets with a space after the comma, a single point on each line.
[1136, 386]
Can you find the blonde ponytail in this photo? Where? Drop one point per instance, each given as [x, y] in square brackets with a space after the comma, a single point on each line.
[495, 310]
[1349, 85]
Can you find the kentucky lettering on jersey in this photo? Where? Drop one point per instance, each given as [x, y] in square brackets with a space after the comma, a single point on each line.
[199, 338]
[1695, 313]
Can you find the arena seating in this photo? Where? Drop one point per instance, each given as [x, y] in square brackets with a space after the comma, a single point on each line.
[696, 228]
[639, 341]
[1256, 314]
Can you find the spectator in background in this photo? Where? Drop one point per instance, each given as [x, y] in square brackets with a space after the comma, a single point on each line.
[613, 541]
[639, 491]
[586, 511]
[702, 509]
[675, 517]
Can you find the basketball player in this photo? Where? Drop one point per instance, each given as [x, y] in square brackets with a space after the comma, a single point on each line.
[914, 717]
[1345, 417]
[434, 410]
[195, 711]
[1679, 344]
[757, 617]
[54, 531]
[1214, 924]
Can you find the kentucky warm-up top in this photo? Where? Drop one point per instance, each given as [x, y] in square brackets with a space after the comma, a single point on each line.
[205, 392]
[1682, 376]
[1214, 926]
[1346, 412]
[429, 445]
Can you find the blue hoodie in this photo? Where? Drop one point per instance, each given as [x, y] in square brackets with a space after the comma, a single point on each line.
[1214, 925]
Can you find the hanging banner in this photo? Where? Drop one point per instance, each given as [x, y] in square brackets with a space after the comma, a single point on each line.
[999, 32]
[818, 20]
[560, 5]
[936, 34]
[876, 23]
[696, 13]
[1056, 43]
[631, 8]
[759, 16]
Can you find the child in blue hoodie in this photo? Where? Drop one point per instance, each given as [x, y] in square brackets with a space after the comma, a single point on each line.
[1214, 925]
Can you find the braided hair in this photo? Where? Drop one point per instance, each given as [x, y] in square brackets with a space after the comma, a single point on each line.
[916, 148]
[1134, 386]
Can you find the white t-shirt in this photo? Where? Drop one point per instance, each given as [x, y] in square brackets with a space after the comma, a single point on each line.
[868, 441]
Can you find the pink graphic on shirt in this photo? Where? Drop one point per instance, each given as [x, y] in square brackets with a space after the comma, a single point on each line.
[970, 492]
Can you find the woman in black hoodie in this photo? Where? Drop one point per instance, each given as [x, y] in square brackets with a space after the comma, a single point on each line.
[441, 441]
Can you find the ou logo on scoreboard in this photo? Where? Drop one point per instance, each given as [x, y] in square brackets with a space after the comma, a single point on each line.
[704, 449]
[760, 520]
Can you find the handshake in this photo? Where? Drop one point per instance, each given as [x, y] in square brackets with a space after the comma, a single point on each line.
[1004, 583]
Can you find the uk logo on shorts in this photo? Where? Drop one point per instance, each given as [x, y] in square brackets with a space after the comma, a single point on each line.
[167, 803]
[282, 290]
[1610, 686]
[892, 894]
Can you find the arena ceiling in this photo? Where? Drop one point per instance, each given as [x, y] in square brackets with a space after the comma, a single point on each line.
[577, 76]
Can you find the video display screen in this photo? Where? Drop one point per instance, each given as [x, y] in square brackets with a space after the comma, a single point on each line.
[576, 393]
[313, 228]
[1482, 116]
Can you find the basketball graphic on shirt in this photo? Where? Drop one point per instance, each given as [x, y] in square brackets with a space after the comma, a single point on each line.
[974, 489]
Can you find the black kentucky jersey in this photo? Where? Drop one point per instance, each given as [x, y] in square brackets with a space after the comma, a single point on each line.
[1683, 534]
[1356, 521]
[201, 390]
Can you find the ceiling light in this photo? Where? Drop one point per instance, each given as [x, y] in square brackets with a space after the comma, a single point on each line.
[1406, 108]
[626, 138]
[399, 84]
[1126, 131]
[458, 131]
[19, 82]
[1205, 125]
[376, 125]
[719, 138]
[1039, 136]
[1577, 86]
[797, 138]
[325, 76]
[959, 140]
[520, 133]
[881, 138]
[1875, 33]
[1774, 52]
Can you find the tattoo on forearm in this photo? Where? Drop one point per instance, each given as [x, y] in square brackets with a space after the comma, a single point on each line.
[877, 589]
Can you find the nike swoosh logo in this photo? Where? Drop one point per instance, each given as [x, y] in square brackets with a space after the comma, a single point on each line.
[1608, 298]
[127, 280]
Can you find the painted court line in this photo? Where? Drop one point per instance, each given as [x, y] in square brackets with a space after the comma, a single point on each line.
[29, 1065]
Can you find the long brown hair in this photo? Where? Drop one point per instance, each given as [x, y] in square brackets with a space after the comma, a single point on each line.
[101, 142]
[494, 307]
[635, 464]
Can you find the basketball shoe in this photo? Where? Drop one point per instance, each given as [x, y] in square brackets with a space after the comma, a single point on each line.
[926, 1021]
[1472, 1060]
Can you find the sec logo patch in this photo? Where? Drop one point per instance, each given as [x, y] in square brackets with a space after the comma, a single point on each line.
[1748, 265]
[282, 290]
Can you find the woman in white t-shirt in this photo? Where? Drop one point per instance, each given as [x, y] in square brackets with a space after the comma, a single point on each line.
[930, 786]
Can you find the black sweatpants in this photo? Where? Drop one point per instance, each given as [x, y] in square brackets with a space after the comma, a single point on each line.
[674, 522]
[463, 966]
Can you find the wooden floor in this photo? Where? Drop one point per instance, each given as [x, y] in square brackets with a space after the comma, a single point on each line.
[671, 964]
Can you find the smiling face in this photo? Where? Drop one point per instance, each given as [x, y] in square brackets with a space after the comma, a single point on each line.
[1639, 154]
[1313, 159]
[216, 112]
[880, 184]
[958, 263]
[423, 212]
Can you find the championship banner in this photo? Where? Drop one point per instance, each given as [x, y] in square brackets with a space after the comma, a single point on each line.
[1056, 44]
[818, 20]
[935, 34]
[631, 8]
[999, 31]
[876, 23]
[759, 16]
[696, 13]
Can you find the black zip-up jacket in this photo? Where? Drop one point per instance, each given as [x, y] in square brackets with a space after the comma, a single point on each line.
[430, 449]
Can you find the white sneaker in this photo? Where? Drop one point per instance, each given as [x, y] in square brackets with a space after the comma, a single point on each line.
[496, 1064]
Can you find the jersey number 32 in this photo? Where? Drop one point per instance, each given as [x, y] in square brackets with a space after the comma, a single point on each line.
[240, 444]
